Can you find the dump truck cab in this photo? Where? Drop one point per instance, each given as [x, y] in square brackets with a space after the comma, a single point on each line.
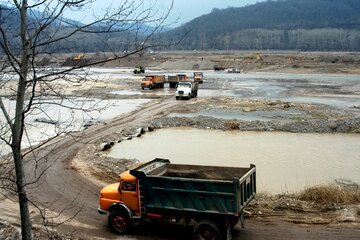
[187, 90]
[153, 81]
[147, 82]
[198, 77]
[123, 192]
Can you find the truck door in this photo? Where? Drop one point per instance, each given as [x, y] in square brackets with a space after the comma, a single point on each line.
[129, 195]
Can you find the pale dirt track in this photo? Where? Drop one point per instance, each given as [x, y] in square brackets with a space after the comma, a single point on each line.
[69, 192]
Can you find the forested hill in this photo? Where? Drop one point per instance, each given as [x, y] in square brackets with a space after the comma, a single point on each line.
[283, 14]
[281, 24]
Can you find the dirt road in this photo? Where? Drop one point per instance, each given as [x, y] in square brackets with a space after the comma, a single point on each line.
[75, 197]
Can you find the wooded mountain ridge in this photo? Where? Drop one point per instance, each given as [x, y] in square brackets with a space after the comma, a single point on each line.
[309, 25]
[281, 24]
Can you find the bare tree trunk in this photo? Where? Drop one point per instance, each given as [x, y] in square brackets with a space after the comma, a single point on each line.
[19, 126]
[42, 35]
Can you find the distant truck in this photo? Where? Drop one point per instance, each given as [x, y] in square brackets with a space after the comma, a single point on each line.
[174, 80]
[219, 68]
[198, 77]
[153, 81]
[79, 57]
[212, 197]
[139, 69]
[187, 90]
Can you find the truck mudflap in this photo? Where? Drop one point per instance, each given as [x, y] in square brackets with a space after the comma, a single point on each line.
[242, 220]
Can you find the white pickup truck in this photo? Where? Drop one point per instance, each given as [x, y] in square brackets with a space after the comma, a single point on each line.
[187, 90]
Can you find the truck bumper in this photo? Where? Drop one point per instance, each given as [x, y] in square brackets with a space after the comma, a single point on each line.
[101, 211]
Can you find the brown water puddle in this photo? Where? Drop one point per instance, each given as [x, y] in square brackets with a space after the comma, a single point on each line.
[286, 162]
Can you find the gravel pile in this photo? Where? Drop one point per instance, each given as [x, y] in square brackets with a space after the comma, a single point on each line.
[351, 125]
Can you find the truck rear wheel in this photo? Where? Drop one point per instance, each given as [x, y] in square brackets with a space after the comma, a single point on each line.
[119, 221]
[206, 230]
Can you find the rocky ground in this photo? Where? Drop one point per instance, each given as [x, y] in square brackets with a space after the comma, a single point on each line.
[310, 118]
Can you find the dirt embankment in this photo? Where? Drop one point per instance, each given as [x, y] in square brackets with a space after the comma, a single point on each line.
[287, 116]
[250, 61]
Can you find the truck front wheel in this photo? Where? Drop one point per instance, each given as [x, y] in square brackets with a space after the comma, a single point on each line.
[119, 221]
[206, 230]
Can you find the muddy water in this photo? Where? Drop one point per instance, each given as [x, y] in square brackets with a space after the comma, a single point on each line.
[288, 87]
[286, 162]
[61, 119]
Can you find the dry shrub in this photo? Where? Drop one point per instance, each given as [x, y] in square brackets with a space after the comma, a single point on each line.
[232, 125]
[330, 193]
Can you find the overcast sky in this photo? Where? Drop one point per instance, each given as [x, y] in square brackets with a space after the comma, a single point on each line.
[183, 10]
[187, 10]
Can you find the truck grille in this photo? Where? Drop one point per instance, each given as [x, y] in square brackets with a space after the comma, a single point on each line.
[181, 92]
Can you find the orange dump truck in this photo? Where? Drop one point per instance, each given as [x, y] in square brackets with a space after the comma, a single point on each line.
[212, 197]
[198, 77]
[174, 80]
[153, 81]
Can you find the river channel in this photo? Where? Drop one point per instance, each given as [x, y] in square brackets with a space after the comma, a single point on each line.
[286, 162]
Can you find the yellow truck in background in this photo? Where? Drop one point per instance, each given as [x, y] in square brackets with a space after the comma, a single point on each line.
[212, 197]
[174, 80]
[79, 57]
[153, 81]
[198, 77]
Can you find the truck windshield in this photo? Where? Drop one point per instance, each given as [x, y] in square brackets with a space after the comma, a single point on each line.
[128, 186]
[184, 85]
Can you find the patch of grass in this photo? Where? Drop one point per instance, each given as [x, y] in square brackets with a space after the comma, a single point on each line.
[330, 193]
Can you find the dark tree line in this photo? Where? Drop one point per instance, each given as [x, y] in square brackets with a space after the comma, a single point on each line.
[324, 39]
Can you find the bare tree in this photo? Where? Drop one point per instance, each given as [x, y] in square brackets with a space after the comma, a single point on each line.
[30, 33]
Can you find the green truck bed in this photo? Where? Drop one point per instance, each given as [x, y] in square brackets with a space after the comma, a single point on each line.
[192, 188]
